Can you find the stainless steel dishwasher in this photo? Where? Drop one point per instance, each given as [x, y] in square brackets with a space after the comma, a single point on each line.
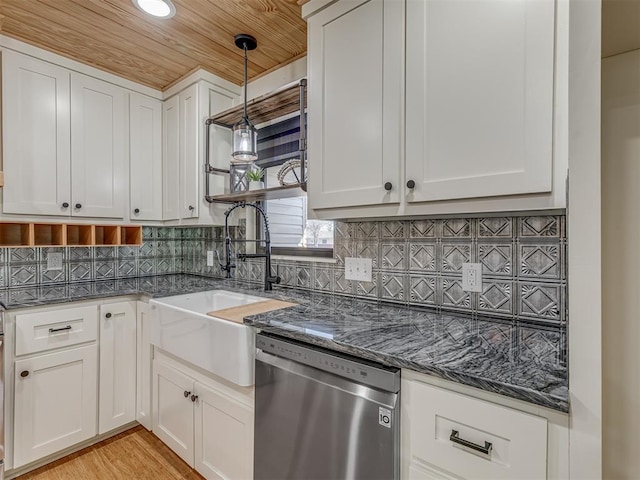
[323, 415]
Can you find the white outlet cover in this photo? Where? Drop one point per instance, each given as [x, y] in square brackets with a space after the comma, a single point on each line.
[358, 269]
[210, 258]
[472, 277]
[54, 261]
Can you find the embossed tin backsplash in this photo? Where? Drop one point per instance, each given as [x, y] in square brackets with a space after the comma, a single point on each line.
[419, 262]
[416, 262]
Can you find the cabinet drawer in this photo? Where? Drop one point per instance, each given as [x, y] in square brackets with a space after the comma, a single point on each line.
[443, 421]
[41, 331]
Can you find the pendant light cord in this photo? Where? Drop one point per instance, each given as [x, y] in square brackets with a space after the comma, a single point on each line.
[246, 119]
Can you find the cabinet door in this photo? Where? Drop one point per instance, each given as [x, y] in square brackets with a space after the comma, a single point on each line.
[145, 182]
[355, 103]
[144, 354]
[55, 402]
[479, 99]
[173, 410]
[117, 404]
[224, 436]
[171, 158]
[99, 127]
[36, 136]
[190, 127]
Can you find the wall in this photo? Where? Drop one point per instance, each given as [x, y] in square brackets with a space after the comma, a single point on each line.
[419, 262]
[621, 264]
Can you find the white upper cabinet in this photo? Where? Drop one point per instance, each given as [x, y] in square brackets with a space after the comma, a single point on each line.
[99, 127]
[454, 106]
[170, 159]
[479, 99]
[145, 137]
[181, 160]
[64, 141]
[36, 136]
[189, 160]
[355, 95]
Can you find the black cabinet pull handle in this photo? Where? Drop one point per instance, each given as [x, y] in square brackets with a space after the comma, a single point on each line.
[186, 394]
[136, 211]
[24, 373]
[192, 208]
[455, 438]
[61, 329]
[411, 184]
[78, 206]
[194, 398]
[388, 186]
[65, 205]
[108, 315]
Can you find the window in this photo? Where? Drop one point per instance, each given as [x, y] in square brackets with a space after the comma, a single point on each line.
[292, 233]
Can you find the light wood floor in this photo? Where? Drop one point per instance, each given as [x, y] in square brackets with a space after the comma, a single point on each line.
[134, 454]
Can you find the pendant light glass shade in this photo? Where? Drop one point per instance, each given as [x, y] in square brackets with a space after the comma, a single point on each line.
[245, 142]
[245, 136]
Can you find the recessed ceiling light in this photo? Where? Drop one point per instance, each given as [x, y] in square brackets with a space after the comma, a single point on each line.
[157, 8]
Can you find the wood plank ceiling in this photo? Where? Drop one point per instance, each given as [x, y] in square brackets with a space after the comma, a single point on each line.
[115, 36]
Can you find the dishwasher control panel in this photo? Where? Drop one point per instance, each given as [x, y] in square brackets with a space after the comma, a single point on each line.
[362, 371]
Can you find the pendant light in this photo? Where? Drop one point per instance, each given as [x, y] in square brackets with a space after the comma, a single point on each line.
[245, 136]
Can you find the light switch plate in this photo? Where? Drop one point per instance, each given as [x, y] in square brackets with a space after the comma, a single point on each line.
[210, 258]
[358, 269]
[54, 261]
[472, 277]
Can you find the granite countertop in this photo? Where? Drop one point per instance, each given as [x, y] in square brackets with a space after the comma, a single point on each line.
[519, 360]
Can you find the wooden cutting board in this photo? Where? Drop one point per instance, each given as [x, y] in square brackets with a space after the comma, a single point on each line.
[237, 314]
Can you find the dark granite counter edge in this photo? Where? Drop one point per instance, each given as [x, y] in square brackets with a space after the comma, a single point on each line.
[525, 394]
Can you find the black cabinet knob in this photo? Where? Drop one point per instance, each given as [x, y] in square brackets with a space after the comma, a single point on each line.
[388, 186]
[136, 211]
[24, 373]
[108, 315]
[65, 205]
[186, 394]
[78, 205]
[411, 184]
[192, 208]
[194, 398]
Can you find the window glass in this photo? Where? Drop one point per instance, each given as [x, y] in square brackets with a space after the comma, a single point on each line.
[290, 229]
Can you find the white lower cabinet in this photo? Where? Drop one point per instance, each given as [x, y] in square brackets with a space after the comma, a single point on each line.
[202, 422]
[55, 402]
[71, 376]
[451, 435]
[117, 365]
[144, 353]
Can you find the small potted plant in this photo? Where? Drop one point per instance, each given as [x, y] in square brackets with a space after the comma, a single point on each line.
[255, 176]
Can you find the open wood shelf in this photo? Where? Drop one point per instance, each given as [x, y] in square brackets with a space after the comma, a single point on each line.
[267, 107]
[107, 234]
[49, 234]
[131, 235]
[80, 235]
[17, 234]
[273, 193]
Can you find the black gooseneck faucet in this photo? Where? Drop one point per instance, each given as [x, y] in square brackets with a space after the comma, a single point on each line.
[269, 279]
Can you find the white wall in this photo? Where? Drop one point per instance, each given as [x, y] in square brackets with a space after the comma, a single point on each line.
[621, 264]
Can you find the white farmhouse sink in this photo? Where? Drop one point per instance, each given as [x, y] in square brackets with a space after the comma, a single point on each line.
[180, 325]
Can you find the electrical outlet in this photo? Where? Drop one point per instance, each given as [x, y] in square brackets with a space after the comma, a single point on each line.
[358, 269]
[472, 277]
[54, 261]
[210, 258]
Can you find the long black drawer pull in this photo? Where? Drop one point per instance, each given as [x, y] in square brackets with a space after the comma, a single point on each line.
[61, 329]
[455, 438]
